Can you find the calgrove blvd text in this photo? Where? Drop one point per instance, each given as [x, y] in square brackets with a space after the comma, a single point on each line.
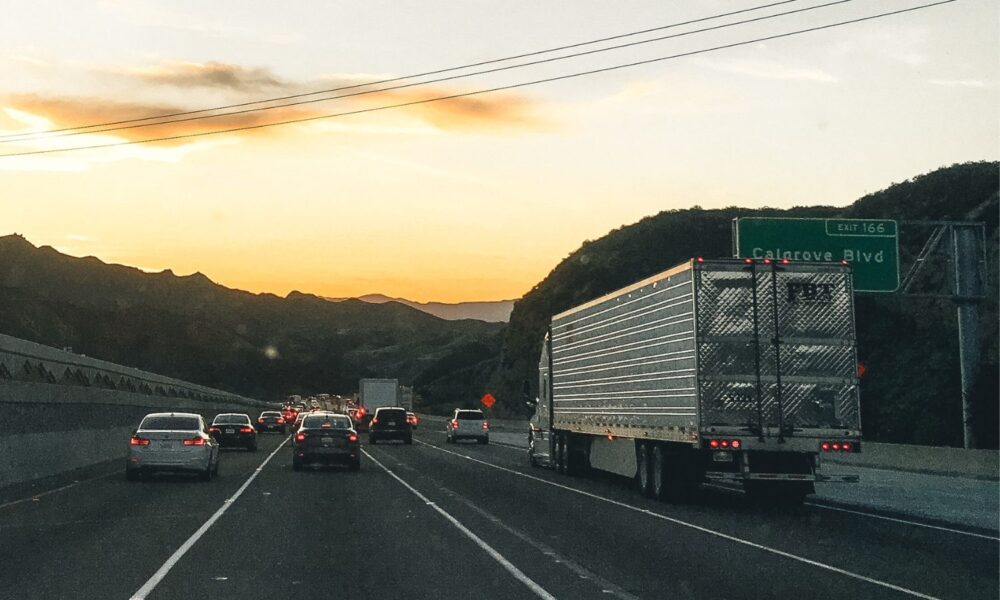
[821, 255]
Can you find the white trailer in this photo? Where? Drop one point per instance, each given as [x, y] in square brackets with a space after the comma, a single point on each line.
[375, 393]
[715, 370]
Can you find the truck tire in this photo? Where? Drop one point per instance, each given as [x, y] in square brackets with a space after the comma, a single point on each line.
[644, 470]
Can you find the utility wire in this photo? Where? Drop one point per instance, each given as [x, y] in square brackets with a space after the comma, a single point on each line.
[440, 79]
[404, 77]
[494, 89]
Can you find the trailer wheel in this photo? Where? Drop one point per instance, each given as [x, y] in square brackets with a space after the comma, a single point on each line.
[642, 461]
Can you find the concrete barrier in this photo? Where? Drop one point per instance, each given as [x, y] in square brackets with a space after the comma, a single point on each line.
[60, 411]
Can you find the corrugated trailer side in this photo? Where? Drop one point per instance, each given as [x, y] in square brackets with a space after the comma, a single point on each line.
[624, 364]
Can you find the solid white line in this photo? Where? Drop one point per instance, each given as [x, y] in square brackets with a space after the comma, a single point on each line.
[719, 534]
[506, 564]
[896, 520]
[53, 491]
[875, 516]
[150, 585]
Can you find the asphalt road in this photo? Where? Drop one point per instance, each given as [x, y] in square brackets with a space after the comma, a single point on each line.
[433, 520]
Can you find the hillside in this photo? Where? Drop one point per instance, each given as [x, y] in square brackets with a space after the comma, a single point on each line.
[910, 392]
[497, 311]
[257, 345]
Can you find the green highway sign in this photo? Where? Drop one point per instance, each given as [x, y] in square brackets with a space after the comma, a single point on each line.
[870, 245]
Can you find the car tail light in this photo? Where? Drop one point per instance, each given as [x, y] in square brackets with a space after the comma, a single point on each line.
[214, 430]
[260, 420]
[352, 437]
[138, 441]
[374, 421]
[300, 437]
[195, 441]
[281, 420]
[246, 429]
[486, 424]
[454, 423]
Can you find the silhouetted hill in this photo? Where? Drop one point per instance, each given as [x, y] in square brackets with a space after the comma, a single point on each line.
[910, 392]
[255, 344]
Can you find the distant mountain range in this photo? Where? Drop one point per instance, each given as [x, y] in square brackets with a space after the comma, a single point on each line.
[259, 345]
[492, 312]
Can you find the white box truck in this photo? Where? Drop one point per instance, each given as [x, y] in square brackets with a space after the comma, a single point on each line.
[716, 370]
[374, 393]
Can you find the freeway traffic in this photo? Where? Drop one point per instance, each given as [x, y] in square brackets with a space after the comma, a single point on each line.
[439, 520]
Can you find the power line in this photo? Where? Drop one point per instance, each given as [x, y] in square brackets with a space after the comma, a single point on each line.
[404, 77]
[490, 90]
[439, 80]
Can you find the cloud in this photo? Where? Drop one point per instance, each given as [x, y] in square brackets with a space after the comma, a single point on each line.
[767, 69]
[972, 83]
[212, 75]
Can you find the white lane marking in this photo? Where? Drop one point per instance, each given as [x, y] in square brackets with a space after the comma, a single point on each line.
[506, 564]
[712, 532]
[874, 516]
[53, 491]
[150, 585]
[607, 587]
[895, 520]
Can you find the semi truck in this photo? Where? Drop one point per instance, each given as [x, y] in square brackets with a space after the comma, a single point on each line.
[730, 370]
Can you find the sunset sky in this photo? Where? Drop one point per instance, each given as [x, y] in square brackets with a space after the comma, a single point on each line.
[476, 198]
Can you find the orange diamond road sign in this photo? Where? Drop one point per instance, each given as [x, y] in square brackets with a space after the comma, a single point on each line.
[488, 400]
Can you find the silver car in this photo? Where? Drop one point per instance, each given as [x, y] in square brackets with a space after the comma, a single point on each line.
[172, 442]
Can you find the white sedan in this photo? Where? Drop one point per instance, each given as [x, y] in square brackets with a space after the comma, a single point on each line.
[172, 442]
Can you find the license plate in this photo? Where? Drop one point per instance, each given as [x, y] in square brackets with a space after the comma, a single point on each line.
[722, 456]
[230, 431]
[392, 423]
[167, 445]
[326, 440]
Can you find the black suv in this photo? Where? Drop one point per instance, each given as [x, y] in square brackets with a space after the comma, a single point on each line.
[390, 423]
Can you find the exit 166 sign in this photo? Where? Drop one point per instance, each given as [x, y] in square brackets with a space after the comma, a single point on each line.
[870, 245]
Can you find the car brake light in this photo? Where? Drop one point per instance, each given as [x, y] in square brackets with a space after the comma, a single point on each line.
[214, 430]
[246, 429]
[260, 420]
[138, 441]
[195, 441]
[281, 420]
[486, 424]
[454, 423]
[352, 437]
[300, 437]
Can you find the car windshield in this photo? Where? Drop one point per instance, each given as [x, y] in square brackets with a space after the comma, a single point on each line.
[231, 420]
[470, 415]
[317, 422]
[170, 423]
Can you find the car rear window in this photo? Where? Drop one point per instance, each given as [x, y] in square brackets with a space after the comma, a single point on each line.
[316, 422]
[170, 423]
[231, 420]
[392, 413]
[270, 414]
[470, 415]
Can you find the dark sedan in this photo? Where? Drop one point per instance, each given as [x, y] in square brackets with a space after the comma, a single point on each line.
[326, 438]
[234, 429]
[271, 420]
